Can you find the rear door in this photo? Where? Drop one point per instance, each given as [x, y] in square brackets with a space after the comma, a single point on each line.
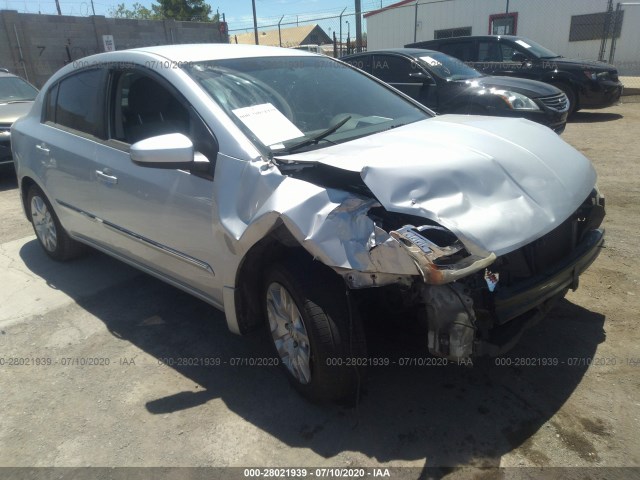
[498, 56]
[66, 146]
[395, 70]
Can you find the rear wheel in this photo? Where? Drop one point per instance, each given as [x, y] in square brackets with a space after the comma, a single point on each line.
[314, 332]
[51, 235]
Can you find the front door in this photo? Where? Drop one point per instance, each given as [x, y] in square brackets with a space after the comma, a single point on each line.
[160, 218]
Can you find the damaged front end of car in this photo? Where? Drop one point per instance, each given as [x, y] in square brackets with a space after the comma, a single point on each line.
[475, 302]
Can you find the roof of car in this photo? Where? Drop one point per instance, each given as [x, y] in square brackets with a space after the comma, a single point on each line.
[6, 74]
[466, 37]
[414, 52]
[216, 51]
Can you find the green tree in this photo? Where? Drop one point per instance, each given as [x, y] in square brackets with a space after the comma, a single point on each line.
[136, 11]
[186, 10]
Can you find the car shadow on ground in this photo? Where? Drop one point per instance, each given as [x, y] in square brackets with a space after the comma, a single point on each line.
[593, 117]
[448, 415]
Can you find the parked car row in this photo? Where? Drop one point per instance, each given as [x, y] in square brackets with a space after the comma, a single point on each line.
[291, 190]
[452, 75]
[587, 84]
[447, 85]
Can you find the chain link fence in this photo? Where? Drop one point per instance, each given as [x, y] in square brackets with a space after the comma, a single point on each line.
[333, 35]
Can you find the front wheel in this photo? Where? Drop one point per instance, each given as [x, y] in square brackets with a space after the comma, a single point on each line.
[52, 237]
[571, 96]
[316, 335]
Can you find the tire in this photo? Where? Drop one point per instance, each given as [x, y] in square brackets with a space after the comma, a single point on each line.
[571, 96]
[53, 238]
[314, 332]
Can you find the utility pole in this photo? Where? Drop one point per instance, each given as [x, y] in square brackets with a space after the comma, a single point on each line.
[93, 9]
[340, 40]
[58, 7]
[606, 32]
[279, 32]
[255, 22]
[358, 27]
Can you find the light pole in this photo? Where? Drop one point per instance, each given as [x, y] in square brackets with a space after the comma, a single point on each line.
[348, 38]
[255, 21]
[341, 13]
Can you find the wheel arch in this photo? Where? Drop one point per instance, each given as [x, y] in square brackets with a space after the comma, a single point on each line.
[25, 184]
[278, 244]
[569, 83]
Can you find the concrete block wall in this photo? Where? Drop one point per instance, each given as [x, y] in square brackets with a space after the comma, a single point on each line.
[35, 46]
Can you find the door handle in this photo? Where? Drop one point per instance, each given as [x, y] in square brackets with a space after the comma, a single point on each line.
[104, 177]
[43, 149]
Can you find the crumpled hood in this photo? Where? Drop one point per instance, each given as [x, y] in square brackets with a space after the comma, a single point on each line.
[496, 183]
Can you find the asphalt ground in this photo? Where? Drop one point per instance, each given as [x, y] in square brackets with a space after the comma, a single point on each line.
[95, 368]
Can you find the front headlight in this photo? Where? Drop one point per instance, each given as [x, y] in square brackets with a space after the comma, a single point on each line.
[514, 100]
[596, 75]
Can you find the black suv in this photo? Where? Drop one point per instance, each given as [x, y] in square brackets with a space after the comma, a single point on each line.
[447, 85]
[587, 84]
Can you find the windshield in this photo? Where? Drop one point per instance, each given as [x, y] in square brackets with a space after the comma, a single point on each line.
[448, 67]
[535, 49]
[14, 89]
[285, 102]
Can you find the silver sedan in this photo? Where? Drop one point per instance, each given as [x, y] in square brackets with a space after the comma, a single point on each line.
[293, 192]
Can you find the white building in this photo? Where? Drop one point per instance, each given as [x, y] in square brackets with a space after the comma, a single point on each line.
[572, 28]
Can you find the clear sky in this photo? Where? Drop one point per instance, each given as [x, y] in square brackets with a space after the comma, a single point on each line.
[238, 12]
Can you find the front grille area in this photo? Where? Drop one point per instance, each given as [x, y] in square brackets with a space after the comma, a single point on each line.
[557, 102]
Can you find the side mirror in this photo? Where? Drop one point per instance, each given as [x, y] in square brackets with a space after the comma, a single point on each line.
[173, 150]
[519, 57]
[423, 76]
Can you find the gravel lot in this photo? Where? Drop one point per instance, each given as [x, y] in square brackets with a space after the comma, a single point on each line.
[137, 412]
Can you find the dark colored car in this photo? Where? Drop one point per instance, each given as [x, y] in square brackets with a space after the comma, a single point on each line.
[587, 84]
[16, 98]
[447, 85]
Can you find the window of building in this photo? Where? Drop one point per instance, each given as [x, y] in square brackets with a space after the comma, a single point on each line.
[503, 24]
[452, 32]
[594, 26]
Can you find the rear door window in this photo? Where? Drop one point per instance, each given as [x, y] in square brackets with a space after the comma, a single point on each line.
[362, 62]
[489, 51]
[80, 102]
[463, 50]
[391, 68]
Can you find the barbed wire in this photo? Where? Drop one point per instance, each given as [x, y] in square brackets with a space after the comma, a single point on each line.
[83, 8]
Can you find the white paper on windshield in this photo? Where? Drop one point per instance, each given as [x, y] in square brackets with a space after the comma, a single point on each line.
[268, 123]
[431, 61]
[523, 43]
